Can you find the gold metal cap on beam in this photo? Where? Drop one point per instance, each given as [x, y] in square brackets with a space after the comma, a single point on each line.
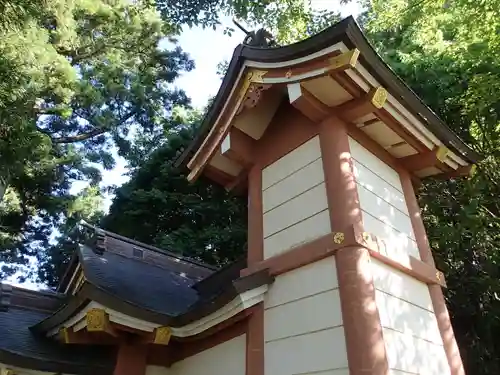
[344, 61]
[379, 97]
[97, 320]
[162, 335]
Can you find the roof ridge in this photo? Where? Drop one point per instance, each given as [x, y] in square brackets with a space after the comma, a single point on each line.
[149, 247]
[18, 297]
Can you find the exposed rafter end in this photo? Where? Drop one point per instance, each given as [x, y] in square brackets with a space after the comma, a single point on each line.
[98, 321]
[160, 336]
[238, 147]
[362, 106]
[431, 158]
[344, 61]
[306, 103]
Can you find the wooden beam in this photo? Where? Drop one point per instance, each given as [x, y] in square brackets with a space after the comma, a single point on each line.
[306, 103]
[214, 174]
[160, 336]
[238, 147]
[68, 336]
[362, 106]
[465, 171]
[344, 61]
[431, 158]
[238, 182]
[221, 127]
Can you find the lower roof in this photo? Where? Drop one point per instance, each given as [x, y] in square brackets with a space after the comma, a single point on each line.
[21, 347]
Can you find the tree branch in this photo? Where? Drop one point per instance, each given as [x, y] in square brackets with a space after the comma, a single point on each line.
[80, 137]
[93, 133]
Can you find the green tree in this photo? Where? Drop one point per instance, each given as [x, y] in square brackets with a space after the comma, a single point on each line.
[449, 53]
[77, 80]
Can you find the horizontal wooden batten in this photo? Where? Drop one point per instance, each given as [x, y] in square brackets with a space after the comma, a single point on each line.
[337, 62]
[329, 244]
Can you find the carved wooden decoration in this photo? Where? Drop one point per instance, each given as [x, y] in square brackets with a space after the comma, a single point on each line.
[252, 96]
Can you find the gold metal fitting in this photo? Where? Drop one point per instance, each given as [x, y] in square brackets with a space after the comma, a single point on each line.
[338, 237]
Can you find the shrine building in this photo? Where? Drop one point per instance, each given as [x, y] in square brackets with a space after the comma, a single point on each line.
[338, 278]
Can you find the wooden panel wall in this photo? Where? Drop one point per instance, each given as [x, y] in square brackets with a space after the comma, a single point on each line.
[226, 358]
[294, 199]
[382, 202]
[303, 323]
[411, 333]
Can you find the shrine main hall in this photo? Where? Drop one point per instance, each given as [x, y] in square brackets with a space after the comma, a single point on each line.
[338, 277]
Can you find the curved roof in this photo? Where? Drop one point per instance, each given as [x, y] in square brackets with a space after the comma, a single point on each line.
[160, 292]
[138, 283]
[348, 32]
[157, 291]
[21, 347]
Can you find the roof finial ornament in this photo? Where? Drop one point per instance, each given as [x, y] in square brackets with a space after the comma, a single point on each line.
[260, 38]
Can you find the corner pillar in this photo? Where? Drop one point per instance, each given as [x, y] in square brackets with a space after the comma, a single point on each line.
[255, 254]
[366, 352]
[438, 302]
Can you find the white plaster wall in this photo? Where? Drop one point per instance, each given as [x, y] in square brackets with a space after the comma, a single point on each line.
[157, 370]
[411, 334]
[303, 330]
[382, 202]
[294, 199]
[226, 358]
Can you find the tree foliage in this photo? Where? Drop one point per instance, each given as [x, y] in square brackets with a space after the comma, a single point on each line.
[78, 79]
[448, 52]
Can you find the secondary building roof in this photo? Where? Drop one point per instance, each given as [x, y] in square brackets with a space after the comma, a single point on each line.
[138, 288]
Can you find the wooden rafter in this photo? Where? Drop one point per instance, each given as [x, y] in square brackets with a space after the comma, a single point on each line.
[431, 158]
[466, 171]
[238, 147]
[306, 103]
[362, 106]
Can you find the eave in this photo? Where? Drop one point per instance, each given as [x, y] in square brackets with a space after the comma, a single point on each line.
[236, 297]
[403, 114]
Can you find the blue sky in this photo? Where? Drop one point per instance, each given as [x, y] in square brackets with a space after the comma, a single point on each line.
[207, 48]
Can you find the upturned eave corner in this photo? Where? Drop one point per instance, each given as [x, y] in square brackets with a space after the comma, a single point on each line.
[334, 72]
